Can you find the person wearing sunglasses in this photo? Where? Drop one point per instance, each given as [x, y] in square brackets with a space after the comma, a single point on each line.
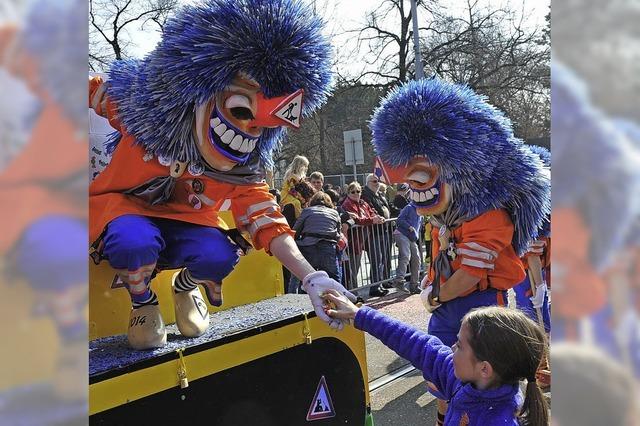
[359, 238]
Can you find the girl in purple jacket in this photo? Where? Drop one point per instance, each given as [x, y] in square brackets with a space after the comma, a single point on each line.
[479, 377]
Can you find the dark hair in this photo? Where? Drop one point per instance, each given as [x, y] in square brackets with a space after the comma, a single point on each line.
[276, 194]
[514, 345]
[321, 199]
[333, 195]
[305, 190]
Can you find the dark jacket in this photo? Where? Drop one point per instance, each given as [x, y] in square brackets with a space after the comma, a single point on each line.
[399, 202]
[377, 201]
[317, 223]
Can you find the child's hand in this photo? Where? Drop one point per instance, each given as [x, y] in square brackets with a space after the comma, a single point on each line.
[338, 306]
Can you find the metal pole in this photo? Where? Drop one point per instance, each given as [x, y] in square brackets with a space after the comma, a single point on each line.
[416, 41]
[355, 175]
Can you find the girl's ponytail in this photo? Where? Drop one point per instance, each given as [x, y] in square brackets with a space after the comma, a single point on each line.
[535, 411]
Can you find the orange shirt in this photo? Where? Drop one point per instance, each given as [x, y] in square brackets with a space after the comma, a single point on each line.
[43, 179]
[484, 250]
[196, 199]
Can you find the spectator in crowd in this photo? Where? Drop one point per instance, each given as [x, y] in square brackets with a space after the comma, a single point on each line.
[296, 172]
[318, 232]
[276, 194]
[380, 235]
[400, 200]
[406, 238]
[347, 220]
[326, 187]
[366, 216]
[316, 179]
[389, 192]
[294, 199]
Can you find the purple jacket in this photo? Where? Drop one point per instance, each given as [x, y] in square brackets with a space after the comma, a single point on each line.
[428, 354]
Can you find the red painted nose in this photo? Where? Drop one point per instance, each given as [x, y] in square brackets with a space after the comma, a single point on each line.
[279, 111]
[390, 174]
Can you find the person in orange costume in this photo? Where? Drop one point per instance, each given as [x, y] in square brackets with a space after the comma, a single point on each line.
[198, 120]
[485, 192]
[43, 187]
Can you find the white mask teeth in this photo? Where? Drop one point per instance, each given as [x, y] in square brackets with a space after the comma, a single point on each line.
[227, 137]
[435, 191]
[428, 195]
[245, 146]
[214, 122]
[220, 129]
[236, 143]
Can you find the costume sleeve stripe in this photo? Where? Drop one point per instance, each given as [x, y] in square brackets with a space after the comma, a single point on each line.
[261, 206]
[263, 221]
[477, 263]
[476, 246]
[473, 253]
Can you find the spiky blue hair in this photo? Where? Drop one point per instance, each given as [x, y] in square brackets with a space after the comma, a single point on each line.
[472, 144]
[545, 156]
[632, 131]
[596, 169]
[279, 43]
[55, 34]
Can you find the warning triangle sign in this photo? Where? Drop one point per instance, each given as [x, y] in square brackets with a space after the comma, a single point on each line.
[321, 406]
[380, 172]
[290, 109]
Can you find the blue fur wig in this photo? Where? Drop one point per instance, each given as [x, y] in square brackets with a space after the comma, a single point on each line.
[545, 156]
[472, 144]
[632, 131]
[277, 42]
[596, 168]
[56, 35]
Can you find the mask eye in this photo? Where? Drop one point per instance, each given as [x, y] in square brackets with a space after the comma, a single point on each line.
[242, 113]
[239, 106]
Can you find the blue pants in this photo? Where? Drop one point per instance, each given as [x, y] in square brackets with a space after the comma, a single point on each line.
[51, 255]
[523, 293]
[133, 241]
[323, 256]
[445, 321]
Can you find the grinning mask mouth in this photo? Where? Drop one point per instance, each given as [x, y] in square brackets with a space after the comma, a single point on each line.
[427, 197]
[228, 140]
[429, 194]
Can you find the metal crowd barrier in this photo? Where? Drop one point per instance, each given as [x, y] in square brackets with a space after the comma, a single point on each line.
[371, 257]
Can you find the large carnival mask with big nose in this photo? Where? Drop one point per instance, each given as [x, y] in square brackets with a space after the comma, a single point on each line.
[228, 128]
[429, 194]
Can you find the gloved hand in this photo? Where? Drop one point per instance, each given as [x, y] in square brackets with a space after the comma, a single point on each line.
[538, 299]
[425, 297]
[316, 284]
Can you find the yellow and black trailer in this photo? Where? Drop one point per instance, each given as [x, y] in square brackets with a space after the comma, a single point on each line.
[265, 360]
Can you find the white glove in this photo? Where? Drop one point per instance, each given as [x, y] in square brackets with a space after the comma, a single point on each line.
[538, 299]
[316, 284]
[424, 297]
